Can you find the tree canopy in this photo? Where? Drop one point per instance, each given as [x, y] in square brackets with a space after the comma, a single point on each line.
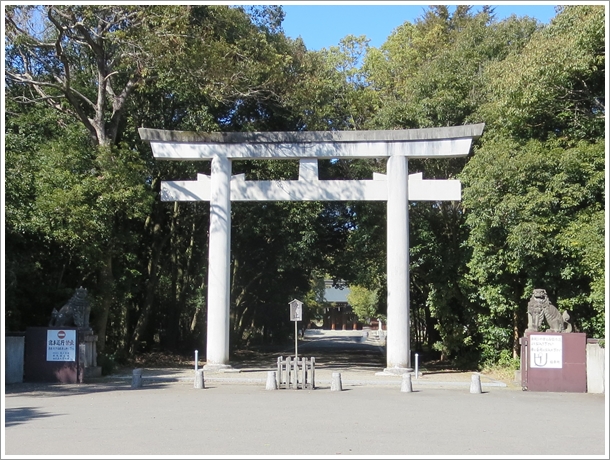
[82, 202]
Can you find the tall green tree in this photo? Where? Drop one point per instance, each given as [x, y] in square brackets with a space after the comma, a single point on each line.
[430, 73]
[555, 86]
[68, 58]
[363, 302]
[110, 69]
[36, 266]
[534, 190]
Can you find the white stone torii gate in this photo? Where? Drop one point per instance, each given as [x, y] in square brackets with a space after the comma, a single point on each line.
[397, 188]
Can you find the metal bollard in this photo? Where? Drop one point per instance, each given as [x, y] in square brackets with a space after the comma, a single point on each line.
[406, 386]
[475, 384]
[271, 381]
[335, 384]
[199, 383]
[136, 378]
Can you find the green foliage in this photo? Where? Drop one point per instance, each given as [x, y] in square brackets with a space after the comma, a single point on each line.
[430, 73]
[535, 215]
[82, 190]
[331, 91]
[364, 303]
[108, 363]
[556, 83]
[313, 301]
[502, 366]
[495, 344]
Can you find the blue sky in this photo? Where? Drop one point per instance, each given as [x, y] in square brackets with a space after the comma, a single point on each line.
[324, 24]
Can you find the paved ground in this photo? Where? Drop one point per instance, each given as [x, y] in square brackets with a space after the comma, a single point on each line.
[236, 415]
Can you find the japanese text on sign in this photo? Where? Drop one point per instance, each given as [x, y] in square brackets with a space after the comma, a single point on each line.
[61, 345]
[296, 310]
[546, 351]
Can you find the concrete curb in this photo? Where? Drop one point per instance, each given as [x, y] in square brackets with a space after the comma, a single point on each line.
[325, 382]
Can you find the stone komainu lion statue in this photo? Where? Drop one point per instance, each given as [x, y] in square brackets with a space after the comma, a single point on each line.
[74, 313]
[540, 307]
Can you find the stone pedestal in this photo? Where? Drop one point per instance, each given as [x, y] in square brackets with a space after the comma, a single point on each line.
[53, 355]
[553, 361]
[92, 370]
[596, 358]
[14, 349]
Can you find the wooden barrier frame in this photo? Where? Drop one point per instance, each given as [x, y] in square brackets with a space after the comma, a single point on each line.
[296, 373]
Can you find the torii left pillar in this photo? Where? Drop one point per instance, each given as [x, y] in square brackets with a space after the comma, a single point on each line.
[398, 334]
[220, 264]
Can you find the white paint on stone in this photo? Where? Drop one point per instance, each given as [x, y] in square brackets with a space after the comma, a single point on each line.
[311, 189]
[442, 148]
[397, 340]
[219, 263]
[308, 169]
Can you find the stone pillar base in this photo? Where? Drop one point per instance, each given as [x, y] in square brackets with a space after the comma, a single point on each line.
[219, 368]
[395, 371]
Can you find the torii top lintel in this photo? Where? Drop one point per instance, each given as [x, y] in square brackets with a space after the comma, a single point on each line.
[419, 143]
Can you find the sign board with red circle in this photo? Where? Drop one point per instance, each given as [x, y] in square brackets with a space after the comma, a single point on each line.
[61, 345]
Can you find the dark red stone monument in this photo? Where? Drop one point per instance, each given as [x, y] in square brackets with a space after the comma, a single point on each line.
[554, 361]
[54, 355]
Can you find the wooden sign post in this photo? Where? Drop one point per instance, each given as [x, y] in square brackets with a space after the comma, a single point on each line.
[296, 315]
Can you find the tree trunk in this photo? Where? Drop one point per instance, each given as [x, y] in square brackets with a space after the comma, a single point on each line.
[516, 345]
[105, 287]
[151, 284]
[432, 333]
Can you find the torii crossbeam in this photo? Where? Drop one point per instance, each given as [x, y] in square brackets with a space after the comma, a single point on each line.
[397, 188]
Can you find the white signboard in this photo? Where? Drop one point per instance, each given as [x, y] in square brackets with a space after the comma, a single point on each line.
[296, 310]
[61, 345]
[546, 351]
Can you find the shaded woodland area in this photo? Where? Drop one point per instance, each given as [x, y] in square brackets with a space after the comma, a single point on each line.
[82, 203]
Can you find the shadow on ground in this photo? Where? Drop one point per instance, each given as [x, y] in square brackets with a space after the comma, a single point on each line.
[20, 415]
[97, 385]
[329, 351]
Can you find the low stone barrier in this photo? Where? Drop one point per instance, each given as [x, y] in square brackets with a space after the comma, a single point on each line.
[335, 384]
[136, 378]
[296, 373]
[14, 351]
[596, 361]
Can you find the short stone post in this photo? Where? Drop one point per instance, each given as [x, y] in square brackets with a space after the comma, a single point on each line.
[136, 378]
[271, 381]
[406, 386]
[475, 384]
[335, 384]
[199, 383]
[14, 355]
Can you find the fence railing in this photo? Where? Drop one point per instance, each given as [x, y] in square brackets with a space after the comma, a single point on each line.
[296, 373]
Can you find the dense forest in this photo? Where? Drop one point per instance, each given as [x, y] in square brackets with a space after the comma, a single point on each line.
[82, 206]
